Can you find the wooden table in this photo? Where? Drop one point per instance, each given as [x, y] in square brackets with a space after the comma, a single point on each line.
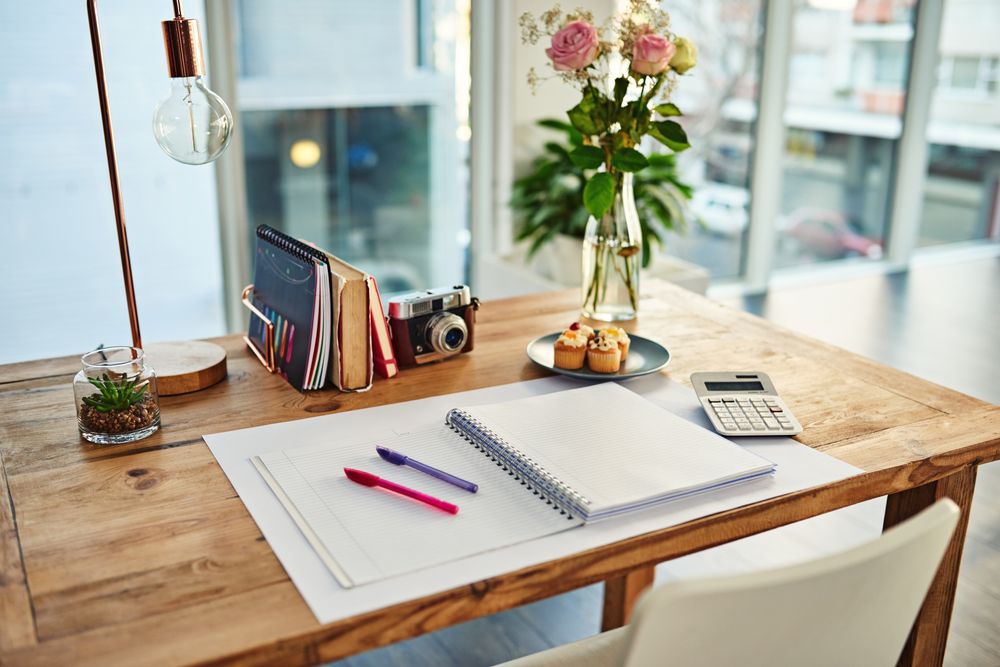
[143, 553]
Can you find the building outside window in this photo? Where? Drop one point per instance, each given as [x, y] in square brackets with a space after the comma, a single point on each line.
[355, 126]
[719, 102]
[962, 197]
[845, 101]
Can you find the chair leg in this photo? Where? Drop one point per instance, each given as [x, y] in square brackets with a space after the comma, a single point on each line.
[929, 635]
[620, 594]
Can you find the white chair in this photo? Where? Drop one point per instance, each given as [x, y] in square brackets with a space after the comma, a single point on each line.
[851, 608]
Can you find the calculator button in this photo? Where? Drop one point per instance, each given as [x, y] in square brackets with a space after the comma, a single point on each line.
[744, 427]
[715, 400]
[729, 400]
[771, 423]
[757, 400]
[758, 426]
[771, 401]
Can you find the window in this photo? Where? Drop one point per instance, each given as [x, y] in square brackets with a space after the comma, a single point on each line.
[962, 196]
[355, 121]
[843, 119]
[969, 74]
[719, 101]
[61, 265]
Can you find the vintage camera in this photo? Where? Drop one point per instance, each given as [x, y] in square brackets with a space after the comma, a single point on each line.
[432, 324]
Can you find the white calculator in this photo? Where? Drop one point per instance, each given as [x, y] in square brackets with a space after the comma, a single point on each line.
[744, 403]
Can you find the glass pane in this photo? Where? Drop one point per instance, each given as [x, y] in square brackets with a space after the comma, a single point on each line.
[962, 196]
[358, 144]
[61, 271]
[720, 104]
[847, 79]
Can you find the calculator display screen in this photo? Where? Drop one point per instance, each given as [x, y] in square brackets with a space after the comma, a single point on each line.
[734, 386]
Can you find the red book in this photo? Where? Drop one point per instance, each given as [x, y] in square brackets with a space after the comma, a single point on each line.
[382, 355]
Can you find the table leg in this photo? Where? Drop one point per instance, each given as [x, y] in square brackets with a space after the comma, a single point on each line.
[926, 643]
[620, 594]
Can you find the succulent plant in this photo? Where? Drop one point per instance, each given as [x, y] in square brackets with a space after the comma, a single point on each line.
[115, 394]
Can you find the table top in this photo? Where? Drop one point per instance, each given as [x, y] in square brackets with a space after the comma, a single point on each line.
[143, 553]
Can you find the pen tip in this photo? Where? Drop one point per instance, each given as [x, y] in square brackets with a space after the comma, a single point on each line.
[361, 477]
[390, 456]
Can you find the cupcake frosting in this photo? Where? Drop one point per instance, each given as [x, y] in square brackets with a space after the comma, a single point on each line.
[572, 339]
[582, 328]
[616, 334]
[603, 343]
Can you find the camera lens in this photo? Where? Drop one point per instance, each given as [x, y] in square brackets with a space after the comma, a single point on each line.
[446, 333]
[454, 338]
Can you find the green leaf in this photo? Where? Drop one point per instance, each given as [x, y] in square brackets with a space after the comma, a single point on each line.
[621, 87]
[670, 134]
[587, 157]
[585, 116]
[668, 109]
[554, 124]
[629, 159]
[599, 194]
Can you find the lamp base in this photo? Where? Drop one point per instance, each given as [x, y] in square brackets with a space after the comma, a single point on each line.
[185, 366]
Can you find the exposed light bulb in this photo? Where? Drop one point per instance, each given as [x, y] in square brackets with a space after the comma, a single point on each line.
[192, 125]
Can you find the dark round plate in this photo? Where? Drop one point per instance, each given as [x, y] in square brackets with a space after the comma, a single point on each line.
[644, 356]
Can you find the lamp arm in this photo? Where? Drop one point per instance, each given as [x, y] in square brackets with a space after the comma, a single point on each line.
[109, 146]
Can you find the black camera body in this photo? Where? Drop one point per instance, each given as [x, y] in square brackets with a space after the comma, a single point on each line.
[430, 325]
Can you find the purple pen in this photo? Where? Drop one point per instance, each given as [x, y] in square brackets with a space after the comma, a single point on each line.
[403, 460]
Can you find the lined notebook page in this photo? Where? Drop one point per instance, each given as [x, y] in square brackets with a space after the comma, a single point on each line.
[365, 534]
[616, 448]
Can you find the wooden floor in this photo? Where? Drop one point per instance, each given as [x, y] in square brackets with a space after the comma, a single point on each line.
[939, 322]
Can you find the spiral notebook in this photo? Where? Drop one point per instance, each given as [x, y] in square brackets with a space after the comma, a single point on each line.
[320, 309]
[292, 289]
[543, 464]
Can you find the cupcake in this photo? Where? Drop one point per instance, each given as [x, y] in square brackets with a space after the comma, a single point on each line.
[604, 355]
[619, 336]
[570, 350]
[587, 331]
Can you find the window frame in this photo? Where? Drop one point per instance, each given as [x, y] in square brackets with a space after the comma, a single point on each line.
[491, 163]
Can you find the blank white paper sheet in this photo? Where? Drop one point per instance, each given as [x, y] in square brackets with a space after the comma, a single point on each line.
[799, 467]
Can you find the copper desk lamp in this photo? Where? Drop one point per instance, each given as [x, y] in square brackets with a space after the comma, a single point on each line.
[192, 125]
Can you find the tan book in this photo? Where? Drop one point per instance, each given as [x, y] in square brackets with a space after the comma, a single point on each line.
[351, 367]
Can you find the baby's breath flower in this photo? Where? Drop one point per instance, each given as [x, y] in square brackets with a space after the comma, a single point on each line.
[533, 80]
[552, 19]
[529, 29]
[581, 14]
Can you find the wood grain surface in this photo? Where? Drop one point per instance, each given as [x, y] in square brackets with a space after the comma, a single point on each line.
[143, 553]
[185, 366]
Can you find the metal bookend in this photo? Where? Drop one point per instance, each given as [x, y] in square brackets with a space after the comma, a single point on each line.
[268, 336]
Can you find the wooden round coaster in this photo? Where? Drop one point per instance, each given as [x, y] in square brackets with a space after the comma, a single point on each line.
[185, 366]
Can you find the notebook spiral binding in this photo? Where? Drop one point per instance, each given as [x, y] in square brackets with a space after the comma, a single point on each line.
[516, 463]
[290, 245]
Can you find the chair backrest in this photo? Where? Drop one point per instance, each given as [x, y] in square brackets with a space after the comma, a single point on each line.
[852, 608]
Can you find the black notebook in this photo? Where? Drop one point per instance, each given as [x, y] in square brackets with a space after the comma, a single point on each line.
[292, 288]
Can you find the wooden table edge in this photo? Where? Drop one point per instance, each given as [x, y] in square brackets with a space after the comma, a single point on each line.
[502, 592]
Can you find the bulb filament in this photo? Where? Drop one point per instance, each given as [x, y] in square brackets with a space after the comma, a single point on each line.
[190, 107]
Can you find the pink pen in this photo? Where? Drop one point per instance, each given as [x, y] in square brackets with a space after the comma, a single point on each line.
[368, 479]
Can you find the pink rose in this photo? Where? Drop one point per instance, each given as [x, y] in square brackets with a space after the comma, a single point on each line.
[574, 47]
[651, 53]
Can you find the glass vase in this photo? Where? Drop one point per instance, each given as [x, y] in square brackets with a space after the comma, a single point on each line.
[116, 397]
[612, 253]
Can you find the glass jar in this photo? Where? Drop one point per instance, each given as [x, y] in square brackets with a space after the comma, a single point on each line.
[612, 252]
[116, 397]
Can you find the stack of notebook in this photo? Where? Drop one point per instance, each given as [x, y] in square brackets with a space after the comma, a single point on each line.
[543, 465]
[322, 310]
